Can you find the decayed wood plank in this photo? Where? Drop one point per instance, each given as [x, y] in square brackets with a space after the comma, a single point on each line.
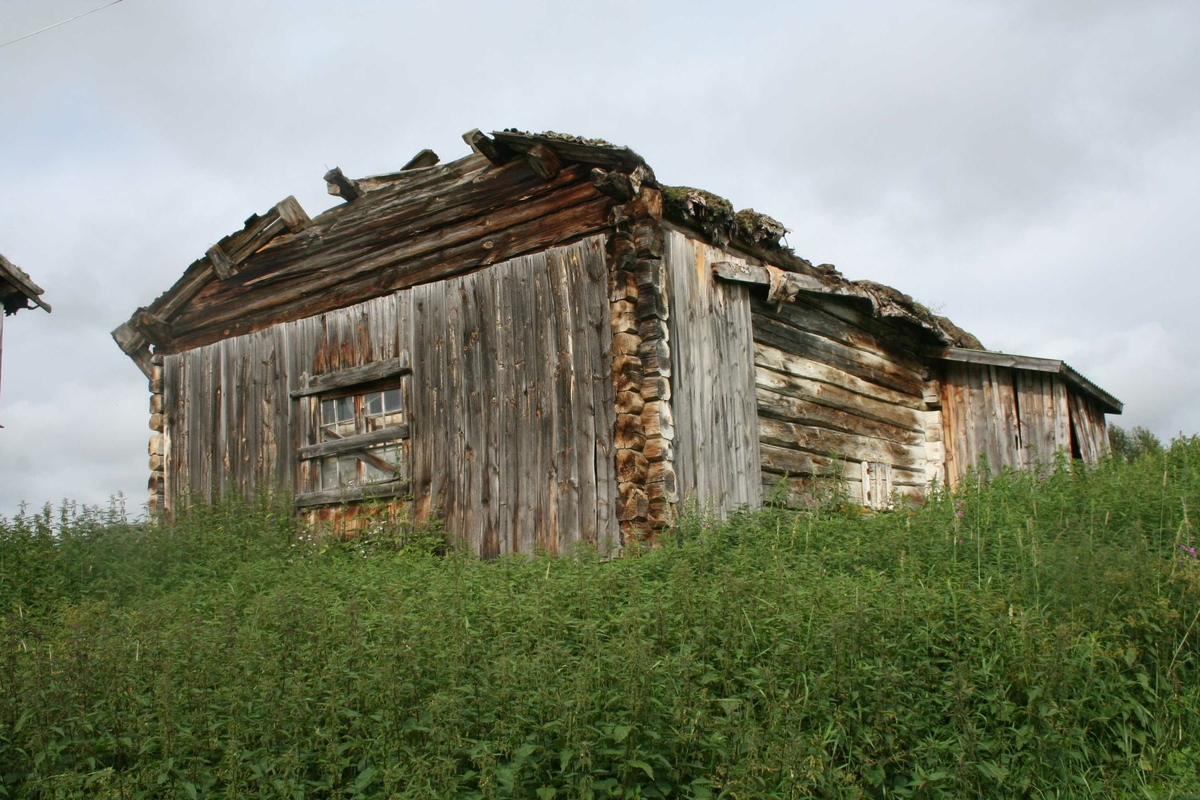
[356, 442]
[350, 494]
[838, 398]
[838, 444]
[791, 409]
[711, 387]
[815, 319]
[773, 358]
[867, 366]
[374, 371]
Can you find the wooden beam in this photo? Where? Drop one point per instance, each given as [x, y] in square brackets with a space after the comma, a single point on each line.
[134, 345]
[154, 328]
[544, 161]
[616, 185]
[353, 376]
[352, 494]
[748, 273]
[425, 158]
[341, 186]
[349, 443]
[487, 147]
[292, 214]
[222, 265]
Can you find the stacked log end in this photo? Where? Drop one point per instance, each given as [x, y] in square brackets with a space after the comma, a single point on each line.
[157, 449]
[641, 352]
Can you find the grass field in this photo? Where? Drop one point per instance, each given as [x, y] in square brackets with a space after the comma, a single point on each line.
[1031, 638]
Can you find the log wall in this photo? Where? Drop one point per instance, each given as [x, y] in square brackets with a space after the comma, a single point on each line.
[711, 378]
[511, 401]
[841, 403]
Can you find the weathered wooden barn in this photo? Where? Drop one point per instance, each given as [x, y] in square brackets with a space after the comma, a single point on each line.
[17, 291]
[543, 345]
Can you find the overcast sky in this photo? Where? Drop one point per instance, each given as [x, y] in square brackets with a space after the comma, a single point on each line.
[1030, 169]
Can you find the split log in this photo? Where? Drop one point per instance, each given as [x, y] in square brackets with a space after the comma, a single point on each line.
[659, 450]
[793, 409]
[624, 287]
[656, 387]
[487, 147]
[663, 472]
[837, 444]
[654, 328]
[657, 420]
[650, 274]
[156, 404]
[653, 304]
[658, 513]
[156, 329]
[630, 403]
[648, 235]
[825, 394]
[627, 373]
[222, 264]
[156, 444]
[425, 158]
[544, 161]
[626, 344]
[629, 433]
[632, 466]
[656, 357]
[623, 317]
[341, 186]
[632, 503]
[616, 185]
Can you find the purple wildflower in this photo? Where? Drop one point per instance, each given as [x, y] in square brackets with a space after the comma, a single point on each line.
[1191, 551]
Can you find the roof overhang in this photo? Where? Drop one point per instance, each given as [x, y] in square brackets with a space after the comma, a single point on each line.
[17, 290]
[1106, 401]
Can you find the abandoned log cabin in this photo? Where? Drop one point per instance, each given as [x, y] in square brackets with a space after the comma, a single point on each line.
[543, 345]
[17, 291]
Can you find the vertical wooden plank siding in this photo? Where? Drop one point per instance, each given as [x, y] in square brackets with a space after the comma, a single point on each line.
[510, 403]
[1015, 418]
[712, 379]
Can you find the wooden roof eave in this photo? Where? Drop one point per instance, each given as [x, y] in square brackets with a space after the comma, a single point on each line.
[1107, 402]
[815, 283]
[21, 284]
[151, 326]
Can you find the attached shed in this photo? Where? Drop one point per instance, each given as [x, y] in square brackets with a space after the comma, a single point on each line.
[17, 291]
[543, 345]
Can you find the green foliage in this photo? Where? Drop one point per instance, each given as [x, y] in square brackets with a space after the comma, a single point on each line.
[1132, 444]
[1028, 637]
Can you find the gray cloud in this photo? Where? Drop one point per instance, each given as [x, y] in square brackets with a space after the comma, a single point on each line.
[1029, 167]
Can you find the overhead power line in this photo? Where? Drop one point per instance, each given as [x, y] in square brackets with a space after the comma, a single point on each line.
[64, 22]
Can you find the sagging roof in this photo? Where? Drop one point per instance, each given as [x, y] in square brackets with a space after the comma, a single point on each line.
[283, 244]
[17, 289]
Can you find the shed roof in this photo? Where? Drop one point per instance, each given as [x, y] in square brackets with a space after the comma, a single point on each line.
[1106, 401]
[17, 290]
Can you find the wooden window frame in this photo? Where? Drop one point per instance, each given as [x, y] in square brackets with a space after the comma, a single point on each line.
[355, 381]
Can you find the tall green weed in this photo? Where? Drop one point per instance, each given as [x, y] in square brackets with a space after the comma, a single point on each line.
[1021, 637]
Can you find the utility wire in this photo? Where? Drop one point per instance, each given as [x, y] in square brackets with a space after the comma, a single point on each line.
[64, 22]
